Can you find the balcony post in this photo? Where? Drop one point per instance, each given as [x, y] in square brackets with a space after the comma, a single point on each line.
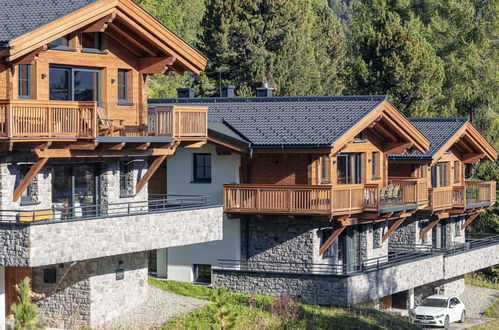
[10, 120]
[50, 125]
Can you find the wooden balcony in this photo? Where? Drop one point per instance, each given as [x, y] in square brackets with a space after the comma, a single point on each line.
[180, 122]
[320, 199]
[34, 119]
[473, 194]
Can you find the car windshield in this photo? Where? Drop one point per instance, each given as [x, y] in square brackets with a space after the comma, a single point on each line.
[434, 302]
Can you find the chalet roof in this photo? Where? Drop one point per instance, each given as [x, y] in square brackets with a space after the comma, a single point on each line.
[221, 127]
[437, 130]
[286, 121]
[19, 17]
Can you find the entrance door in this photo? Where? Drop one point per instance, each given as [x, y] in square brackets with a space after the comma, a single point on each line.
[14, 276]
[349, 249]
[74, 187]
[438, 235]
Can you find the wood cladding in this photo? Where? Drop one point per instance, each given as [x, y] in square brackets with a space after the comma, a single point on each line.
[279, 169]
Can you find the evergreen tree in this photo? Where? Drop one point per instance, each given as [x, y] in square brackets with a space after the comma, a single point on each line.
[251, 43]
[25, 312]
[391, 56]
[183, 18]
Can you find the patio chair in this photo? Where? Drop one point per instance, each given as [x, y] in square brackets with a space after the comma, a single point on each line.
[107, 126]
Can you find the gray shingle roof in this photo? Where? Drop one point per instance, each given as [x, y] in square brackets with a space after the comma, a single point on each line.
[286, 121]
[437, 130]
[221, 127]
[19, 17]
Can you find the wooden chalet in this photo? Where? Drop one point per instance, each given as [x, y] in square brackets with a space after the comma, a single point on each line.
[455, 142]
[74, 84]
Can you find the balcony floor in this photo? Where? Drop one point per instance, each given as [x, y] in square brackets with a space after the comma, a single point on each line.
[397, 208]
[134, 139]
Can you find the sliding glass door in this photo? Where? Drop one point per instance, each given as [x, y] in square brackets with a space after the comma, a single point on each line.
[74, 189]
[440, 175]
[350, 168]
[349, 249]
[74, 83]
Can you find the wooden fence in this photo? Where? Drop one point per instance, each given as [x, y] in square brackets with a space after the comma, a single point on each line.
[178, 121]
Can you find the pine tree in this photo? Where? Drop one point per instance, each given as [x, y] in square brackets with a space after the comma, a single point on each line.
[391, 56]
[251, 43]
[25, 312]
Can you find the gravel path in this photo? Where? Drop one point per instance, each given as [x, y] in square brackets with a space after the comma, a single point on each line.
[478, 299]
[159, 307]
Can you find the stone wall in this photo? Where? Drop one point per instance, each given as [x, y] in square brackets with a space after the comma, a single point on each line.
[311, 289]
[14, 245]
[453, 286]
[469, 261]
[88, 293]
[88, 239]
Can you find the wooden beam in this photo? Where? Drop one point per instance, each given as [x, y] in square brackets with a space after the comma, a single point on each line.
[469, 220]
[193, 144]
[67, 153]
[150, 171]
[330, 240]
[112, 146]
[33, 171]
[429, 227]
[101, 25]
[385, 132]
[30, 57]
[390, 231]
[396, 148]
[472, 158]
[152, 65]
[120, 34]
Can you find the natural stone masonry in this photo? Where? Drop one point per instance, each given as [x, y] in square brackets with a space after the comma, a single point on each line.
[453, 286]
[88, 239]
[469, 261]
[14, 245]
[88, 293]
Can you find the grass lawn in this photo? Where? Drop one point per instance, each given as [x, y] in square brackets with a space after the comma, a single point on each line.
[247, 311]
[478, 279]
[492, 325]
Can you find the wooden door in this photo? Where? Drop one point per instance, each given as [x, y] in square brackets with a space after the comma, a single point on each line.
[13, 276]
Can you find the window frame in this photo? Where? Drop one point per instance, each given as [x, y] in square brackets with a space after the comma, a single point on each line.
[325, 170]
[27, 79]
[62, 47]
[128, 177]
[195, 178]
[126, 86]
[71, 86]
[97, 43]
[199, 279]
[445, 182]
[376, 160]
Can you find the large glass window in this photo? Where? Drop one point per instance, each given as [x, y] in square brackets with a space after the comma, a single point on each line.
[325, 170]
[24, 81]
[202, 273]
[202, 168]
[375, 165]
[74, 84]
[440, 175]
[350, 168]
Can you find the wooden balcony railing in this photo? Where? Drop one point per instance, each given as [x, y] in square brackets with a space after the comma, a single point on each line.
[473, 193]
[318, 199]
[178, 121]
[47, 119]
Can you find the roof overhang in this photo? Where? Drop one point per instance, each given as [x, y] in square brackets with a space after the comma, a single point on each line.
[129, 20]
[470, 143]
[227, 142]
[394, 132]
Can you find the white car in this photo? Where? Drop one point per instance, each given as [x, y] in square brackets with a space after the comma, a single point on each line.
[439, 310]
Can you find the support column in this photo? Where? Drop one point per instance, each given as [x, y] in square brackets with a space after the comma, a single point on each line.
[410, 292]
[2, 298]
[162, 263]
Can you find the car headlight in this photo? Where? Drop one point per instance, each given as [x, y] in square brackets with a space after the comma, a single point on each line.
[439, 316]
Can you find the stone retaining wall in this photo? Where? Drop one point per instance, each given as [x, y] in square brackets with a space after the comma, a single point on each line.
[469, 261]
[62, 242]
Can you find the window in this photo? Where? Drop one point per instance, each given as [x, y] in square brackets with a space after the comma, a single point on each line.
[24, 81]
[29, 195]
[91, 41]
[457, 172]
[74, 84]
[123, 86]
[350, 168]
[326, 233]
[440, 175]
[61, 43]
[202, 168]
[50, 275]
[127, 184]
[375, 165]
[423, 171]
[359, 137]
[202, 273]
[377, 234]
[325, 170]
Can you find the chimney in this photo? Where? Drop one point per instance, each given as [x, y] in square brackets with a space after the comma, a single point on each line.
[228, 91]
[264, 91]
[186, 93]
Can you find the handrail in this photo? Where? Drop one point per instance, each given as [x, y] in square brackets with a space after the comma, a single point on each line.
[178, 121]
[165, 203]
[48, 118]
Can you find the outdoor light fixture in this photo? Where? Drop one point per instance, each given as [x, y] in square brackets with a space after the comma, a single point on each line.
[44, 75]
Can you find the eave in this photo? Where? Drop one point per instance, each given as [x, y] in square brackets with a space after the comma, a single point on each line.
[163, 41]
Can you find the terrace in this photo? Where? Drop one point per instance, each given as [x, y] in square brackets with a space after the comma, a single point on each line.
[324, 199]
[474, 194]
[28, 120]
